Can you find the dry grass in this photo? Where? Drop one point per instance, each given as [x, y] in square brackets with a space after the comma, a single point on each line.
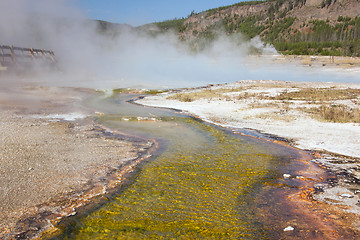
[282, 116]
[247, 95]
[335, 113]
[268, 105]
[239, 93]
[324, 96]
[284, 102]
[320, 94]
[210, 94]
[268, 85]
[190, 97]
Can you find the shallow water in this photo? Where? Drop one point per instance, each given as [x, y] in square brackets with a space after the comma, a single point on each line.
[207, 183]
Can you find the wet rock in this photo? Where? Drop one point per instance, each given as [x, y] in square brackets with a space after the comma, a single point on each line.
[288, 228]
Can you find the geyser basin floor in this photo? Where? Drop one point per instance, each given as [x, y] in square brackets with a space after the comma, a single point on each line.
[47, 165]
[208, 184]
[285, 160]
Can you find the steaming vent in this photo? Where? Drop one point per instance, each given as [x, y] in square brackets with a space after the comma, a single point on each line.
[17, 58]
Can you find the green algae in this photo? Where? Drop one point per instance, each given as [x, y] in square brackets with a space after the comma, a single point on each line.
[191, 191]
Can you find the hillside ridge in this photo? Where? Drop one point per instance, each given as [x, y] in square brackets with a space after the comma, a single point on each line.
[300, 27]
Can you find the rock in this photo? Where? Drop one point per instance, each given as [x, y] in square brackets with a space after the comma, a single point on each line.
[286, 175]
[346, 195]
[320, 187]
[288, 228]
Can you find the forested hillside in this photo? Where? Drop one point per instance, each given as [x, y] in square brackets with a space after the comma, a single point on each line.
[300, 27]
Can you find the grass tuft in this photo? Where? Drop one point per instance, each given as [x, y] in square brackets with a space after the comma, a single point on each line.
[335, 113]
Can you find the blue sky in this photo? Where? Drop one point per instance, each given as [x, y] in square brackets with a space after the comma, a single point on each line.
[138, 12]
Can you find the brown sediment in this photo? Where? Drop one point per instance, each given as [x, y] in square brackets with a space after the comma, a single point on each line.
[313, 219]
[310, 218]
[324, 221]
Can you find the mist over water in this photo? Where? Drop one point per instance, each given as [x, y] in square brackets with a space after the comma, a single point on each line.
[88, 58]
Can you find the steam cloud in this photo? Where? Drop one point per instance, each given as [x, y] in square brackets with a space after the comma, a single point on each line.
[130, 59]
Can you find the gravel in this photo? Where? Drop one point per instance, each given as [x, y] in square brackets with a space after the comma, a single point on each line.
[46, 160]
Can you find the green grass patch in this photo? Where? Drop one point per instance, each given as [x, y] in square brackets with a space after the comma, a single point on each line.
[154, 91]
[121, 90]
[137, 91]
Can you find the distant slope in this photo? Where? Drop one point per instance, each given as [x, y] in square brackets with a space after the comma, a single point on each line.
[301, 27]
[109, 28]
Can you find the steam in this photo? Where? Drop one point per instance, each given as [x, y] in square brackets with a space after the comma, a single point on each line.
[129, 58]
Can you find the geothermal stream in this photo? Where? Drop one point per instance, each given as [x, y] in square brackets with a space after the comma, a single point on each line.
[205, 182]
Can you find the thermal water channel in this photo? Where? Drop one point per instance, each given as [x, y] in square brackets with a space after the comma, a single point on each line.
[206, 182]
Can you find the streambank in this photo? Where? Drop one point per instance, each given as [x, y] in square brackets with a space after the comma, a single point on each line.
[335, 145]
[54, 161]
[254, 105]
